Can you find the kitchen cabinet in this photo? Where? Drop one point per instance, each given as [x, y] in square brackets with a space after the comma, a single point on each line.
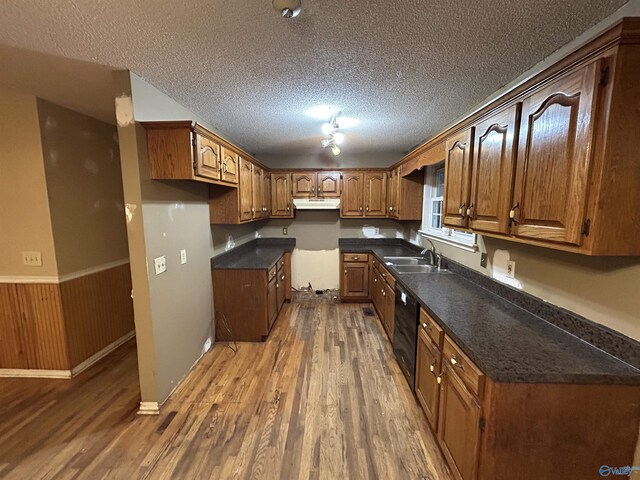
[354, 282]
[389, 308]
[328, 184]
[375, 194]
[459, 426]
[351, 201]
[316, 184]
[247, 302]
[457, 170]
[228, 165]
[266, 193]
[182, 151]
[427, 388]
[554, 158]
[257, 185]
[404, 194]
[281, 195]
[246, 190]
[304, 185]
[492, 169]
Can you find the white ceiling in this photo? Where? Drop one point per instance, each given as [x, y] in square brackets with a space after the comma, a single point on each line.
[403, 69]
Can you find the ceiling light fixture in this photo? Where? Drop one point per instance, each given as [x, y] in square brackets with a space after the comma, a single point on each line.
[332, 142]
[335, 150]
[288, 8]
[331, 126]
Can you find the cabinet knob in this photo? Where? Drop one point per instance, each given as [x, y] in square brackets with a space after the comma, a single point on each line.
[455, 363]
[470, 210]
[277, 285]
[345, 271]
[439, 379]
[356, 258]
[367, 209]
[462, 210]
[426, 326]
[375, 280]
[384, 294]
[432, 367]
[282, 277]
[360, 208]
[513, 213]
[391, 209]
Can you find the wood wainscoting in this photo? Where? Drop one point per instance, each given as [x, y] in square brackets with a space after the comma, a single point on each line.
[51, 329]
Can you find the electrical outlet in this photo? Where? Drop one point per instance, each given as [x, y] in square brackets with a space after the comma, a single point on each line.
[511, 269]
[32, 259]
[160, 264]
[284, 231]
[183, 256]
[483, 260]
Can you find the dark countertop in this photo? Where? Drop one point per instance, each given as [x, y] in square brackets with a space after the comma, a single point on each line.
[507, 342]
[258, 254]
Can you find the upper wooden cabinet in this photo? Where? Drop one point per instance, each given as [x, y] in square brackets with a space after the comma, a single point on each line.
[304, 185]
[404, 194]
[245, 191]
[328, 184]
[492, 168]
[180, 151]
[257, 187]
[375, 194]
[457, 169]
[352, 201]
[554, 158]
[266, 193]
[281, 195]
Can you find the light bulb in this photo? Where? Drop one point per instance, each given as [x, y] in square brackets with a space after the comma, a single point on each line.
[326, 142]
[338, 138]
[327, 128]
[335, 150]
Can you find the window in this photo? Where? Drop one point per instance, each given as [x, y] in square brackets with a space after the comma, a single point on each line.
[432, 212]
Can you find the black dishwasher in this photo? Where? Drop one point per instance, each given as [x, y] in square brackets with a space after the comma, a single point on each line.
[405, 333]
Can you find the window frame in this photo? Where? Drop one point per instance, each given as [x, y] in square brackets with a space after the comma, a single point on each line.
[463, 240]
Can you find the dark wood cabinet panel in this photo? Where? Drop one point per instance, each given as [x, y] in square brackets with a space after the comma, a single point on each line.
[389, 300]
[554, 157]
[375, 194]
[207, 162]
[281, 195]
[457, 171]
[459, 426]
[352, 194]
[427, 371]
[257, 185]
[280, 288]
[246, 189]
[266, 194]
[304, 185]
[393, 190]
[492, 168]
[272, 301]
[355, 280]
[328, 184]
[229, 166]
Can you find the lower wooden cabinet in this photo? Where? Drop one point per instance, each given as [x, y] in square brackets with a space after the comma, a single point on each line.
[354, 280]
[247, 302]
[427, 372]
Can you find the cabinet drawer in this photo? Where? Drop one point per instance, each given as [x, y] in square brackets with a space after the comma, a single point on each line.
[272, 272]
[386, 276]
[280, 263]
[463, 367]
[431, 328]
[355, 257]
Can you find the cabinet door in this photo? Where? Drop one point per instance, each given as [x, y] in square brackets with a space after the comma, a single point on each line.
[304, 185]
[281, 195]
[352, 195]
[229, 166]
[328, 184]
[245, 189]
[257, 209]
[272, 302]
[392, 200]
[456, 179]
[459, 426]
[375, 194]
[207, 162]
[280, 287]
[427, 371]
[389, 308]
[266, 194]
[492, 168]
[554, 154]
[355, 280]
[374, 289]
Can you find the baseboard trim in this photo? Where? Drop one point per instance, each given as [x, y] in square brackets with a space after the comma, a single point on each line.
[149, 408]
[34, 373]
[102, 353]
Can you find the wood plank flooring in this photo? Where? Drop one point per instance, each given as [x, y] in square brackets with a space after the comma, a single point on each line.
[322, 399]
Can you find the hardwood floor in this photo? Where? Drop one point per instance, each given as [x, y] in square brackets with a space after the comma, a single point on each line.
[322, 399]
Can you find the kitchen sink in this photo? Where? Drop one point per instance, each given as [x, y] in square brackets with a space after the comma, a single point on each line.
[417, 269]
[406, 261]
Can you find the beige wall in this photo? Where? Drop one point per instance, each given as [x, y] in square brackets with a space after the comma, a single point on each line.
[84, 185]
[174, 310]
[323, 159]
[25, 224]
[238, 233]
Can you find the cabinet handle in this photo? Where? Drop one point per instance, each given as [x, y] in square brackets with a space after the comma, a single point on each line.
[384, 275]
[439, 378]
[461, 210]
[384, 294]
[432, 367]
[513, 213]
[426, 326]
[356, 258]
[313, 189]
[288, 208]
[470, 210]
[375, 280]
[277, 285]
[391, 209]
[253, 210]
[360, 208]
[455, 363]
[282, 277]
[367, 209]
[345, 271]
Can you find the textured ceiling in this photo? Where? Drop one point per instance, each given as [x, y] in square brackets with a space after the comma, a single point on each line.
[403, 69]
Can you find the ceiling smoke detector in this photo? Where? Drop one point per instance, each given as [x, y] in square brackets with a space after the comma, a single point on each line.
[288, 8]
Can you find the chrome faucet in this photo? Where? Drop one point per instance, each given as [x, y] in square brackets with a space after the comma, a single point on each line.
[432, 253]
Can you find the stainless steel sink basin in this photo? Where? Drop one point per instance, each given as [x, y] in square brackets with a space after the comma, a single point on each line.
[405, 261]
[416, 269]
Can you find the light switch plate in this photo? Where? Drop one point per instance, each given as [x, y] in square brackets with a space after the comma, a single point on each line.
[483, 260]
[183, 256]
[160, 264]
[32, 259]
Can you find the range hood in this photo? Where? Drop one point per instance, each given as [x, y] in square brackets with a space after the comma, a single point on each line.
[316, 203]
